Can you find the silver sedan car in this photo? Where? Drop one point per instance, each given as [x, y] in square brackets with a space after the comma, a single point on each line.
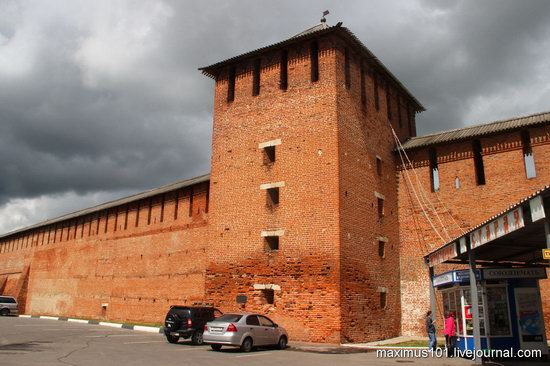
[245, 331]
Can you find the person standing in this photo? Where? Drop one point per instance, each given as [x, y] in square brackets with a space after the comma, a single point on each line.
[430, 329]
[450, 331]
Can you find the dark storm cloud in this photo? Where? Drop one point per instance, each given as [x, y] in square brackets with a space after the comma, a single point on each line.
[104, 97]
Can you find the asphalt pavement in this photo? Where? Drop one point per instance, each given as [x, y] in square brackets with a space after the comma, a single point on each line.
[31, 341]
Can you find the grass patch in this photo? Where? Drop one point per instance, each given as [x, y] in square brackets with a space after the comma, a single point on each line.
[409, 344]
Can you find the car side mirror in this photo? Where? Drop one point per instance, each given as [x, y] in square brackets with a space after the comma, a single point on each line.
[276, 325]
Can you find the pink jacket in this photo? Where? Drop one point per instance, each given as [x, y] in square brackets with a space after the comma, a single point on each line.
[450, 327]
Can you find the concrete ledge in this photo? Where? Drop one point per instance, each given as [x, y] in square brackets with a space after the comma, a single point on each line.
[140, 328]
[272, 185]
[263, 145]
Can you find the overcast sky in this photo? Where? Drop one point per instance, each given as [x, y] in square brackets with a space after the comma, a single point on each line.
[100, 99]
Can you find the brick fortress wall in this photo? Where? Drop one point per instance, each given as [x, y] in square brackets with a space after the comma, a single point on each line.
[368, 103]
[138, 258]
[467, 206]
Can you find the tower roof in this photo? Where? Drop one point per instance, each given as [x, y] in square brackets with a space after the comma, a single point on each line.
[311, 33]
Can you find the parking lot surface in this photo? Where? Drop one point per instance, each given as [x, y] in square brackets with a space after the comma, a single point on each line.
[30, 341]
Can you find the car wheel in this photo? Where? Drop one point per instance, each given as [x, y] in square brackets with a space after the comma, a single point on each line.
[197, 338]
[172, 338]
[5, 312]
[282, 342]
[247, 345]
[216, 347]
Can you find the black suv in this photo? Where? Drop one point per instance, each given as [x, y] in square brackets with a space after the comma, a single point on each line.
[188, 322]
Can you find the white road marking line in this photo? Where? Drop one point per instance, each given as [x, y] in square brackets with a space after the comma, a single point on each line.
[254, 355]
[142, 328]
[49, 317]
[114, 325]
[26, 325]
[51, 330]
[77, 321]
[145, 342]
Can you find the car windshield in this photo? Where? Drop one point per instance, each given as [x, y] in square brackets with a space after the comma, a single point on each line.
[230, 318]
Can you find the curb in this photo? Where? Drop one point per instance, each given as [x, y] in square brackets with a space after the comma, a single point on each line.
[140, 328]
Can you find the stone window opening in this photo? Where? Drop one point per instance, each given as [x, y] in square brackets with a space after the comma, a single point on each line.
[528, 159]
[268, 296]
[380, 204]
[478, 163]
[256, 77]
[383, 292]
[379, 165]
[434, 170]
[273, 196]
[272, 239]
[283, 82]
[347, 68]
[231, 85]
[269, 151]
[269, 154]
[271, 243]
[382, 247]
[272, 193]
[314, 61]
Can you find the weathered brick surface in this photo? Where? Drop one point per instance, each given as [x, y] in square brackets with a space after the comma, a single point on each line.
[137, 267]
[306, 266]
[364, 135]
[465, 207]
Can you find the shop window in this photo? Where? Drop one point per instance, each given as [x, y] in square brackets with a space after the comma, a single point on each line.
[528, 158]
[314, 61]
[283, 69]
[434, 170]
[231, 85]
[498, 312]
[271, 243]
[347, 68]
[478, 163]
[256, 77]
[379, 166]
[268, 296]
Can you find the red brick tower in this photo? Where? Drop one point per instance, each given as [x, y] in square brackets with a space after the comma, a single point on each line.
[303, 195]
